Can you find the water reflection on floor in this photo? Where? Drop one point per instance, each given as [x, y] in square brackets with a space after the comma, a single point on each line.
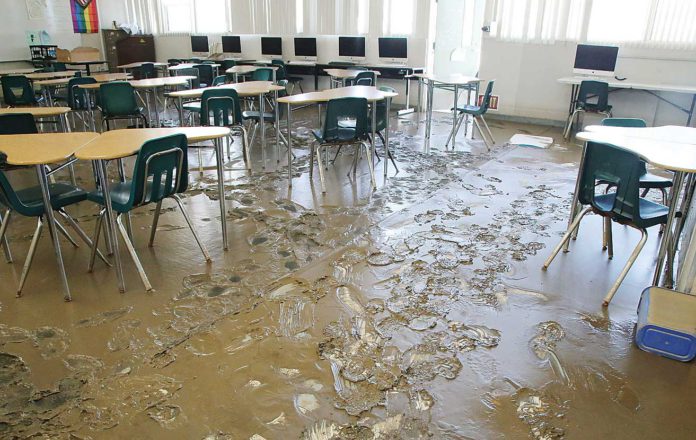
[416, 311]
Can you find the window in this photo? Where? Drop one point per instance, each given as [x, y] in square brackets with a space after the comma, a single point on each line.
[351, 16]
[211, 16]
[299, 16]
[646, 23]
[398, 17]
[176, 15]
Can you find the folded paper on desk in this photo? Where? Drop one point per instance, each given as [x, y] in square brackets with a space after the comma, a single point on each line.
[525, 140]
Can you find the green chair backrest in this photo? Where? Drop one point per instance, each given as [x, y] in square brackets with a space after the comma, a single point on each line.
[624, 122]
[190, 71]
[219, 80]
[17, 123]
[223, 104]
[282, 72]
[117, 99]
[9, 197]
[486, 98]
[205, 73]
[77, 98]
[160, 171]
[594, 95]
[17, 90]
[144, 71]
[607, 163]
[263, 74]
[59, 67]
[364, 78]
[341, 109]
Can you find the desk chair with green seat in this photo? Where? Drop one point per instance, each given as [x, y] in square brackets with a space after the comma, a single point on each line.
[477, 112]
[593, 97]
[607, 163]
[219, 80]
[145, 71]
[224, 66]
[28, 202]
[262, 74]
[59, 67]
[17, 91]
[364, 78]
[117, 101]
[222, 108]
[160, 172]
[333, 133]
[205, 74]
[77, 99]
[190, 71]
[254, 116]
[282, 73]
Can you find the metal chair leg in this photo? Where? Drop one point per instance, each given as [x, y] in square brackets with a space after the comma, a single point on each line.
[61, 229]
[4, 222]
[610, 239]
[370, 164]
[95, 240]
[30, 255]
[569, 124]
[566, 237]
[71, 170]
[321, 169]
[488, 129]
[483, 137]
[155, 220]
[627, 267]
[311, 160]
[193, 229]
[133, 254]
[82, 234]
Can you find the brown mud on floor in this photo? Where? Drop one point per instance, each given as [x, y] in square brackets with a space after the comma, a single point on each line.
[417, 311]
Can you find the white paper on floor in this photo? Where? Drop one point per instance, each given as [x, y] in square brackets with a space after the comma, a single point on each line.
[526, 140]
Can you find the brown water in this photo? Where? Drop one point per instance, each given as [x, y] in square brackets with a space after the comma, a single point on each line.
[416, 311]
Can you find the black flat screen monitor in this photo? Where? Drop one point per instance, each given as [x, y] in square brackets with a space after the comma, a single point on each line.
[305, 47]
[199, 43]
[351, 47]
[393, 48]
[271, 46]
[595, 60]
[231, 44]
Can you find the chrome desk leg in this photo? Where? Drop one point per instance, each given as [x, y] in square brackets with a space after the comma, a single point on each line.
[277, 121]
[667, 236]
[429, 114]
[386, 139]
[221, 190]
[262, 109]
[289, 115]
[43, 183]
[111, 224]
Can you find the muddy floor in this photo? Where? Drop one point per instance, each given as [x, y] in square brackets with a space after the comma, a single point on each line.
[415, 311]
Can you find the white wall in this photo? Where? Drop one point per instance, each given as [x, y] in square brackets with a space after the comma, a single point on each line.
[526, 80]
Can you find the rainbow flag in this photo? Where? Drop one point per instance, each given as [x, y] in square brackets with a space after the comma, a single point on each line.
[84, 16]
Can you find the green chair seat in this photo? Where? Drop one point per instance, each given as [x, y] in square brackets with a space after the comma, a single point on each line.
[651, 213]
[193, 106]
[256, 115]
[342, 134]
[62, 195]
[594, 108]
[120, 193]
[653, 181]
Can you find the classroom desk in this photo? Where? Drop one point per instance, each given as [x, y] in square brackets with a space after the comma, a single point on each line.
[215, 67]
[86, 64]
[117, 144]
[246, 89]
[42, 149]
[152, 84]
[47, 84]
[670, 148]
[340, 76]
[20, 71]
[50, 75]
[651, 88]
[245, 69]
[161, 66]
[454, 83]
[372, 94]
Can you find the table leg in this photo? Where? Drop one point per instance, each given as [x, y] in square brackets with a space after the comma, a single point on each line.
[420, 98]
[221, 190]
[667, 235]
[429, 113]
[50, 219]
[157, 115]
[691, 110]
[277, 123]
[181, 112]
[674, 246]
[288, 116]
[262, 109]
[453, 133]
[386, 138]
[576, 193]
[111, 224]
[372, 141]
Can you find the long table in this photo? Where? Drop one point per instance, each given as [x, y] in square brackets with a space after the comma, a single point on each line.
[372, 94]
[651, 88]
[670, 148]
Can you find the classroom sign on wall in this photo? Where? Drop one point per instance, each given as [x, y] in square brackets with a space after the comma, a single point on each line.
[84, 16]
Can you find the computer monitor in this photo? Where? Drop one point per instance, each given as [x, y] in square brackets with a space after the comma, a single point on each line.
[351, 47]
[595, 60]
[393, 49]
[306, 48]
[271, 46]
[199, 43]
[231, 44]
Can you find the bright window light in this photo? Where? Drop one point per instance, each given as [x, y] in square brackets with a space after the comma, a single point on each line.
[177, 15]
[619, 20]
[299, 16]
[211, 16]
[398, 17]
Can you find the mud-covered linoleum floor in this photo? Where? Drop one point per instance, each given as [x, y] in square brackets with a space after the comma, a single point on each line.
[415, 311]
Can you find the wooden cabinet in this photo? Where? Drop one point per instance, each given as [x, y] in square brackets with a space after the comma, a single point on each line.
[122, 48]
